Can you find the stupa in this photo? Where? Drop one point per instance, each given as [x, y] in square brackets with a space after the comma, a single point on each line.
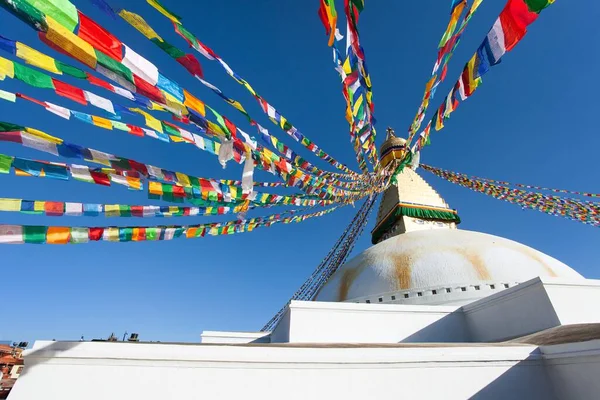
[421, 257]
[429, 311]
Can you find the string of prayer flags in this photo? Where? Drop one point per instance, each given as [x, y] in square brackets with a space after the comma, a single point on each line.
[74, 209]
[448, 44]
[586, 212]
[508, 30]
[328, 16]
[20, 234]
[41, 141]
[276, 117]
[143, 82]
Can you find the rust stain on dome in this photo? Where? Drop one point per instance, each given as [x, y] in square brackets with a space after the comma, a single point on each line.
[403, 269]
[346, 281]
[478, 264]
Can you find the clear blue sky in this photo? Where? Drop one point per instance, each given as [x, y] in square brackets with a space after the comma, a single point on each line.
[532, 121]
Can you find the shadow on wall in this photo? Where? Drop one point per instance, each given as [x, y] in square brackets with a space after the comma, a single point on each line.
[451, 328]
[33, 357]
[526, 380]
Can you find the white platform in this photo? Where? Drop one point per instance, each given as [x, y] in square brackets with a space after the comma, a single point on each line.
[349, 351]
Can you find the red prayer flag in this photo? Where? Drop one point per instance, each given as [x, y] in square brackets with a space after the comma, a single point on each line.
[137, 211]
[135, 130]
[514, 19]
[54, 208]
[95, 234]
[192, 64]
[444, 72]
[100, 178]
[69, 91]
[324, 18]
[178, 191]
[146, 89]
[13, 137]
[99, 82]
[99, 38]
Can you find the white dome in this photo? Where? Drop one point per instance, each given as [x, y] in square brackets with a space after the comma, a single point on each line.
[425, 259]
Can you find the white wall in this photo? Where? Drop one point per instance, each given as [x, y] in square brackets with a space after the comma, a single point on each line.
[514, 312]
[532, 306]
[100, 371]
[234, 337]
[575, 302]
[574, 369]
[320, 322]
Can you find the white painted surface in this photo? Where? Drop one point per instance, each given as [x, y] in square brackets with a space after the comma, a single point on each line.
[514, 312]
[100, 371]
[234, 337]
[319, 322]
[442, 257]
[533, 306]
[574, 369]
[572, 300]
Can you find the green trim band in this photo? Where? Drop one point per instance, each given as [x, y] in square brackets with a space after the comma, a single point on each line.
[413, 212]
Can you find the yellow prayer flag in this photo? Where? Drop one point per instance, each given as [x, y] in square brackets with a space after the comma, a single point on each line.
[155, 187]
[112, 210]
[102, 122]
[183, 179]
[346, 66]
[153, 123]
[39, 206]
[140, 24]
[250, 88]
[163, 11]
[43, 135]
[10, 205]
[71, 43]
[37, 59]
[216, 129]
[111, 234]
[7, 68]
[194, 103]
[238, 106]
[134, 183]
[177, 139]
[282, 122]
[357, 105]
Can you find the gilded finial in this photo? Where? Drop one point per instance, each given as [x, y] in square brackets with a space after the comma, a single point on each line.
[390, 133]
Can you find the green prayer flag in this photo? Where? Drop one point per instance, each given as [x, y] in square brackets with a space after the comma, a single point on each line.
[538, 5]
[125, 234]
[33, 77]
[187, 34]
[5, 163]
[26, 13]
[169, 130]
[63, 11]
[34, 234]
[168, 48]
[124, 210]
[120, 126]
[152, 233]
[8, 127]
[70, 70]
[114, 66]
